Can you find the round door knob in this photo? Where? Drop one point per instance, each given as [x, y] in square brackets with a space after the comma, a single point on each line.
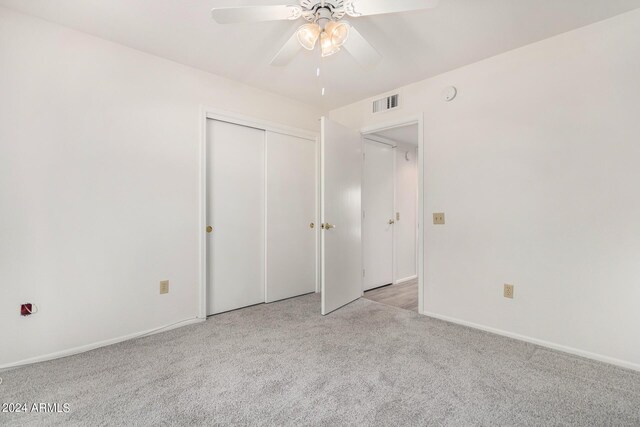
[209, 229]
[328, 226]
[391, 222]
[312, 225]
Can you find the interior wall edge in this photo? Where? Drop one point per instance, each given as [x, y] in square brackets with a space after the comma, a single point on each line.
[88, 347]
[542, 343]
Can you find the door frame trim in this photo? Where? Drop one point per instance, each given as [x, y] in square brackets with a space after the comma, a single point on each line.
[209, 113]
[401, 122]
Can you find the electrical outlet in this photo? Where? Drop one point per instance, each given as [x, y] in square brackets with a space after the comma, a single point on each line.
[438, 218]
[508, 291]
[164, 287]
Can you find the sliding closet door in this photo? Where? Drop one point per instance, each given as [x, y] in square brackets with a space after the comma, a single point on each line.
[235, 211]
[291, 213]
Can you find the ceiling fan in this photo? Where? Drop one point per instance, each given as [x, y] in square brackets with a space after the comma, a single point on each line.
[324, 23]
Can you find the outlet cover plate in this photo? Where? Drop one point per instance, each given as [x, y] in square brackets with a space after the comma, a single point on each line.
[508, 291]
[164, 287]
[438, 218]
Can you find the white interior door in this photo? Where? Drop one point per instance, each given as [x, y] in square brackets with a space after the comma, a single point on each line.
[378, 214]
[341, 242]
[235, 210]
[291, 216]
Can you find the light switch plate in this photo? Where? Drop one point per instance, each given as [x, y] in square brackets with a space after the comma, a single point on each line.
[438, 218]
[164, 287]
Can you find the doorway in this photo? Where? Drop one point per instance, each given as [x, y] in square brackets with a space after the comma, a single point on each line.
[342, 270]
[390, 225]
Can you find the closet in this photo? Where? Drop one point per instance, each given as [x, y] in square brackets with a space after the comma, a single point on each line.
[261, 216]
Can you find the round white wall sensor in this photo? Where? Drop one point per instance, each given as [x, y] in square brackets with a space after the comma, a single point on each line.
[449, 94]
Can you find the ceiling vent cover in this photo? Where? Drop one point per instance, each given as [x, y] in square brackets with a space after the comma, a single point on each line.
[386, 104]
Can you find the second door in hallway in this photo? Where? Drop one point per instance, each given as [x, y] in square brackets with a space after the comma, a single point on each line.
[378, 214]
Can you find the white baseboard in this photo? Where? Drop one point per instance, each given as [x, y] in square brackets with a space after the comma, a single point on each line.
[406, 279]
[542, 343]
[93, 346]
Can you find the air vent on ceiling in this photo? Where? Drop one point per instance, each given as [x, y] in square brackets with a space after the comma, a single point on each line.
[385, 104]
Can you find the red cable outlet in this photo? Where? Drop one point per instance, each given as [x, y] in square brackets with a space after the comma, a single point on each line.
[26, 309]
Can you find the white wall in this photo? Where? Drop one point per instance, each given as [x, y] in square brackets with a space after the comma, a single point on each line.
[536, 165]
[99, 184]
[406, 190]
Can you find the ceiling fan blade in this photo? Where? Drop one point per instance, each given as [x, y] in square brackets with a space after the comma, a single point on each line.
[357, 8]
[287, 52]
[232, 15]
[360, 49]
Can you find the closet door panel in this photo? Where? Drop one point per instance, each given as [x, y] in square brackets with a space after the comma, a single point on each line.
[236, 201]
[291, 209]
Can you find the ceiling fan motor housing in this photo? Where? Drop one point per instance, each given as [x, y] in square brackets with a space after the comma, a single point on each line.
[322, 11]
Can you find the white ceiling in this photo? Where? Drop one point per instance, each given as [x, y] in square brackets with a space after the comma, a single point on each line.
[405, 134]
[414, 45]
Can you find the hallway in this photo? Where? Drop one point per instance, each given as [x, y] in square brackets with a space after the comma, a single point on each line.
[402, 295]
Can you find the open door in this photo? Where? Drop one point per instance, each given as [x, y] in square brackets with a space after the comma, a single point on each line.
[341, 241]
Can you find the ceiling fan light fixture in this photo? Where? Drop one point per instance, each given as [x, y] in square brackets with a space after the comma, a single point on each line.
[326, 45]
[308, 35]
[338, 31]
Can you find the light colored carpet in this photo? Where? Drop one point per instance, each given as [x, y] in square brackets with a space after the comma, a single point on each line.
[366, 364]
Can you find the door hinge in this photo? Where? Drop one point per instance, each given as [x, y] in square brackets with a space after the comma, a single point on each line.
[363, 214]
[363, 272]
